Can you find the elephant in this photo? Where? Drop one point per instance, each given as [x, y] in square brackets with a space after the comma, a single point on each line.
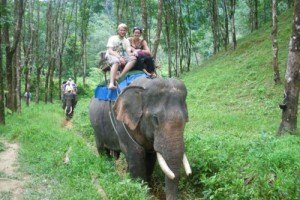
[146, 123]
[69, 102]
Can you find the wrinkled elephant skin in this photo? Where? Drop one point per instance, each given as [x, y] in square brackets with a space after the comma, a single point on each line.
[146, 122]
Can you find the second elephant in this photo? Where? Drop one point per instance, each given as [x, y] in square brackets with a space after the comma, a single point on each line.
[69, 103]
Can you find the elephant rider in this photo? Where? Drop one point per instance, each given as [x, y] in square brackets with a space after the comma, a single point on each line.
[73, 85]
[144, 60]
[69, 87]
[119, 54]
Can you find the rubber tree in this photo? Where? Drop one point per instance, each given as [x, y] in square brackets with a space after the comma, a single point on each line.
[292, 78]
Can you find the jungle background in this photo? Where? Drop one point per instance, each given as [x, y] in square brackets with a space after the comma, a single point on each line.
[227, 65]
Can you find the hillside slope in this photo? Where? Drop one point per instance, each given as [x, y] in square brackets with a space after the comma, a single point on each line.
[233, 118]
[239, 83]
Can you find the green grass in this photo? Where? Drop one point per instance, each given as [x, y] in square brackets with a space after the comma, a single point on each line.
[230, 138]
[44, 142]
[233, 119]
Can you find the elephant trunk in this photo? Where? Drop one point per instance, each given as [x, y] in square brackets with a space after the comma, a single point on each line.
[171, 180]
[171, 188]
[170, 161]
[174, 161]
[164, 166]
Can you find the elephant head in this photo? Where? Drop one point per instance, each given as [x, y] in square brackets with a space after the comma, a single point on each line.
[69, 103]
[155, 113]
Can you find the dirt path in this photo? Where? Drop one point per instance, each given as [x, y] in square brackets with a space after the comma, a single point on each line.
[11, 182]
[66, 124]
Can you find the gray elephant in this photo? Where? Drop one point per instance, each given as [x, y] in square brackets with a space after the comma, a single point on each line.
[146, 123]
[69, 102]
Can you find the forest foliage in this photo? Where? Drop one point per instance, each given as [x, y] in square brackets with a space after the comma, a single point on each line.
[45, 42]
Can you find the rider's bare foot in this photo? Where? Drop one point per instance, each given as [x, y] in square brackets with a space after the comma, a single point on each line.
[111, 87]
[153, 75]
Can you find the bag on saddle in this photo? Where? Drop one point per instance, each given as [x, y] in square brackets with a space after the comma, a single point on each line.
[103, 64]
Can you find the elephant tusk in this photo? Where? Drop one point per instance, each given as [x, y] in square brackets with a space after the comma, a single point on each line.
[186, 165]
[164, 167]
[70, 110]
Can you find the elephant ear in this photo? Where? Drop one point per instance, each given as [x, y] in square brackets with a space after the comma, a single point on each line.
[128, 106]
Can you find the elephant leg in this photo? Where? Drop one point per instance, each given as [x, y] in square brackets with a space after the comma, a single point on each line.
[100, 148]
[136, 161]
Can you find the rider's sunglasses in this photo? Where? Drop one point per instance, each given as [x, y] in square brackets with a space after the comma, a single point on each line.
[137, 28]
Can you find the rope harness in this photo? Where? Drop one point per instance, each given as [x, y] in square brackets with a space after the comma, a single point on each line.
[113, 122]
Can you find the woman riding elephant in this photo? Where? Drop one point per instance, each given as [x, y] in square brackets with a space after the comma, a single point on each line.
[145, 123]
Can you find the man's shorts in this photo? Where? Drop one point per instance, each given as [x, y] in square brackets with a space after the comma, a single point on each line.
[114, 59]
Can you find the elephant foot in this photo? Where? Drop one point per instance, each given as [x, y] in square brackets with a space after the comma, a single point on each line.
[109, 153]
[115, 154]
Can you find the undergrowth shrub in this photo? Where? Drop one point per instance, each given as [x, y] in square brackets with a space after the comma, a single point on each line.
[265, 167]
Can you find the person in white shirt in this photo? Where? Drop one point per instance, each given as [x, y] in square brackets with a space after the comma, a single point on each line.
[119, 54]
[69, 87]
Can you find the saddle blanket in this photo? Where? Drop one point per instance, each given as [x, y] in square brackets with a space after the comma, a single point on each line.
[103, 93]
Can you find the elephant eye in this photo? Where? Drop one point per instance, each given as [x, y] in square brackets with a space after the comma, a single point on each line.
[155, 119]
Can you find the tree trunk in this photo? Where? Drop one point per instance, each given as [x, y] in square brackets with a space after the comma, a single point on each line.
[120, 10]
[40, 58]
[190, 47]
[49, 36]
[144, 19]
[253, 14]
[85, 16]
[159, 27]
[168, 37]
[256, 14]
[233, 34]
[2, 107]
[75, 40]
[290, 3]
[17, 78]
[83, 56]
[292, 78]
[275, 43]
[10, 50]
[214, 25]
[176, 34]
[226, 31]
[62, 38]
[28, 51]
[51, 78]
